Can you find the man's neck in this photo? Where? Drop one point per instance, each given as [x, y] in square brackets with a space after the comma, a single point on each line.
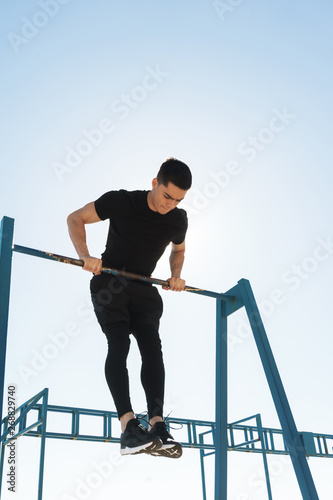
[150, 203]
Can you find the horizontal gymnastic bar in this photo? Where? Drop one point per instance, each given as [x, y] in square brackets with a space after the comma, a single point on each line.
[116, 272]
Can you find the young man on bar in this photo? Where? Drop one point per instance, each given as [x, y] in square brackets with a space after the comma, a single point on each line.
[142, 224]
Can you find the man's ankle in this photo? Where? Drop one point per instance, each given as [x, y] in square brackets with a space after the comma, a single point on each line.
[153, 421]
[124, 419]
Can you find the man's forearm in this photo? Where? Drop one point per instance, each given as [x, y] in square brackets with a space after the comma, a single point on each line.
[77, 233]
[176, 263]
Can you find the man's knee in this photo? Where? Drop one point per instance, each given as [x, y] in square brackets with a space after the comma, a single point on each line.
[151, 346]
[119, 344]
[117, 337]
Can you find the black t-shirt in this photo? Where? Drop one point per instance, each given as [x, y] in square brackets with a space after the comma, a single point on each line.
[137, 235]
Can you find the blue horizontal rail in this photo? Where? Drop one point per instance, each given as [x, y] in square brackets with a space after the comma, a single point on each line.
[194, 432]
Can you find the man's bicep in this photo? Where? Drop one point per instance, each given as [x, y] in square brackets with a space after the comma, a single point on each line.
[87, 214]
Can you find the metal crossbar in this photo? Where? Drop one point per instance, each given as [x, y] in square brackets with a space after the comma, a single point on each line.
[116, 272]
[193, 431]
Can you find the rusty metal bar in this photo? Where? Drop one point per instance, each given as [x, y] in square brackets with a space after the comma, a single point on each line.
[116, 272]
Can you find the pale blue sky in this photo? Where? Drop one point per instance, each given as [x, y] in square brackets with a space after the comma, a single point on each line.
[245, 99]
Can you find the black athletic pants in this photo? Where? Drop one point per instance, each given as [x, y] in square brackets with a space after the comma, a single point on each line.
[125, 307]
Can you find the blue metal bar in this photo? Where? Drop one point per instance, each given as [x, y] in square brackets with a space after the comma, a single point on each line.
[33, 405]
[42, 445]
[23, 409]
[264, 457]
[105, 427]
[221, 409]
[235, 424]
[194, 434]
[189, 431]
[73, 422]
[81, 437]
[271, 440]
[253, 439]
[246, 443]
[235, 304]
[265, 437]
[246, 432]
[2, 460]
[232, 440]
[202, 467]
[291, 435]
[325, 445]
[26, 430]
[77, 424]
[109, 427]
[6, 243]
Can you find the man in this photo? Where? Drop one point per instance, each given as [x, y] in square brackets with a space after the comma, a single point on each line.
[142, 224]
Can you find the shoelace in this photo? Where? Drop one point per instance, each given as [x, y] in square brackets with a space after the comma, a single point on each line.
[143, 416]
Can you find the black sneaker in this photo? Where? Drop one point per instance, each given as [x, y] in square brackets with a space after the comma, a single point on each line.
[170, 448]
[136, 439]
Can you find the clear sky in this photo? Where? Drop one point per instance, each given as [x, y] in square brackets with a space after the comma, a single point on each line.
[96, 95]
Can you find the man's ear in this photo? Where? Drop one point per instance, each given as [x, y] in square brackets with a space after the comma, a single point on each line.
[154, 183]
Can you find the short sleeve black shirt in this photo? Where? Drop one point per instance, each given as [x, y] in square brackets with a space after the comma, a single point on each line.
[137, 235]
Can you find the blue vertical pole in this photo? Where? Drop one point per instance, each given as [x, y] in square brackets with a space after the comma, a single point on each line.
[202, 465]
[6, 244]
[264, 456]
[2, 459]
[42, 445]
[221, 417]
[290, 433]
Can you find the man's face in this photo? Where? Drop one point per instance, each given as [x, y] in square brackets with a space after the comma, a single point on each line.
[165, 198]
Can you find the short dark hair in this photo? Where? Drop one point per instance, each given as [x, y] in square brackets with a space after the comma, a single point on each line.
[175, 171]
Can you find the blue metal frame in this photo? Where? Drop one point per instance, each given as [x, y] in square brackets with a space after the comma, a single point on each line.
[252, 440]
[256, 439]
[221, 405]
[247, 445]
[293, 440]
[226, 304]
[21, 423]
[6, 243]
[194, 438]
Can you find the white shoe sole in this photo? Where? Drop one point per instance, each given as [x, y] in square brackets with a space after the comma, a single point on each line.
[143, 448]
